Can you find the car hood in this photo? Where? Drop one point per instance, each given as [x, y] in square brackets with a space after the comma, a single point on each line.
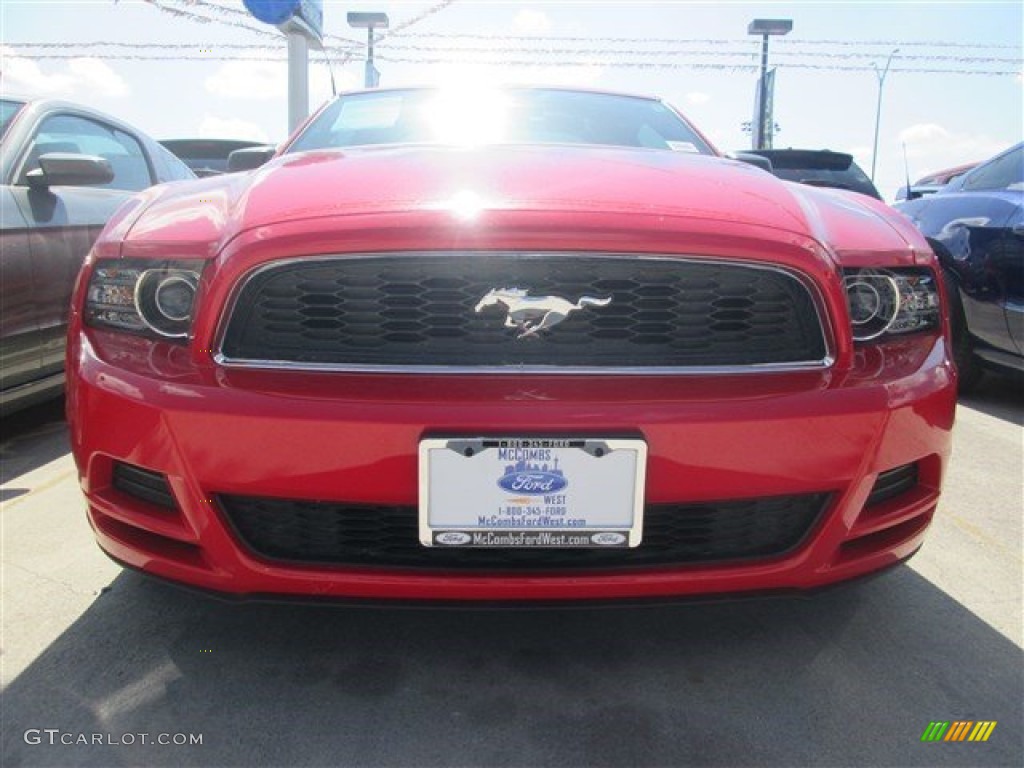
[692, 190]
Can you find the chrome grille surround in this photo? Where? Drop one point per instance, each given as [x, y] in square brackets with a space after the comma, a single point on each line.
[458, 263]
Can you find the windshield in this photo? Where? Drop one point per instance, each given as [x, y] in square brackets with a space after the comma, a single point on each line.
[206, 154]
[852, 178]
[8, 109]
[506, 116]
[1006, 171]
[820, 169]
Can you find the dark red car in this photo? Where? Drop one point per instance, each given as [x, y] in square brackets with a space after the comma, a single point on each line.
[932, 183]
[528, 344]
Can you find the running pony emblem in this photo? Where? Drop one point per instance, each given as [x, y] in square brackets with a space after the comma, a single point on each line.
[529, 314]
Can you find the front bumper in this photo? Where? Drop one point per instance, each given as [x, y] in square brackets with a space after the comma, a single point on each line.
[353, 438]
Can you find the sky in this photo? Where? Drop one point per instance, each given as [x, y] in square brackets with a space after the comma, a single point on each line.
[200, 68]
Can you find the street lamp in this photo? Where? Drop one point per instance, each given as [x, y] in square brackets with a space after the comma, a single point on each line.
[765, 28]
[878, 109]
[369, 22]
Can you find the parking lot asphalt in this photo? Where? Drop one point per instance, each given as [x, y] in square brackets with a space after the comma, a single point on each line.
[849, 677]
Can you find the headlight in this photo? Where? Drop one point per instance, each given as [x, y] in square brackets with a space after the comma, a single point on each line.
[890, 301]
[140, 296]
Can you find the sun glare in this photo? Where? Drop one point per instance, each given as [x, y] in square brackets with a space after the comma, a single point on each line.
[467, 116]
[466, 205]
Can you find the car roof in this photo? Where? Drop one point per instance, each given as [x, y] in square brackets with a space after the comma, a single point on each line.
[40, 105]
[941, 177]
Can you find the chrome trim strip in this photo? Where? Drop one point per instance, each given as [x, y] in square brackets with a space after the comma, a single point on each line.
[824, 363]
[723, 370]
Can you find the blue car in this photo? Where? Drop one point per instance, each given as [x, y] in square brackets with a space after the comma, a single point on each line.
[976, 226]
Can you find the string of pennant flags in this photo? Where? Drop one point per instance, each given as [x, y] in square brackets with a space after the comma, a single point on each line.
[540, 48]
[401, 46]
[643, 60]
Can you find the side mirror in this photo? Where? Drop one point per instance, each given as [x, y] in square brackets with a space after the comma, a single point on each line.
[249, 158]
[749, 157]
[67, 169]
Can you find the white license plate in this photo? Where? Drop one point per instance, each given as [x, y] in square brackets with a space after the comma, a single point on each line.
[531, 492]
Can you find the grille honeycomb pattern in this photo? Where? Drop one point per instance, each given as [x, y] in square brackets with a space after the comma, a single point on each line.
[359, 535]
[420, 310]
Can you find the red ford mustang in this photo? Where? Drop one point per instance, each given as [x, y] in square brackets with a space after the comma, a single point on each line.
[528, 344]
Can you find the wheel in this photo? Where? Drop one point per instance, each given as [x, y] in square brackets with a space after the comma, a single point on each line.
[968, 370]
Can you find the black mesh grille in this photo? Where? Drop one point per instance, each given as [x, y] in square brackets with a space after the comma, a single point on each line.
[420, 310]
[343, 534]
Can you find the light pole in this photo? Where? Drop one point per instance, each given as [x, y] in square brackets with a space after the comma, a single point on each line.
[765, 28]
[369, 22]
[878, 109]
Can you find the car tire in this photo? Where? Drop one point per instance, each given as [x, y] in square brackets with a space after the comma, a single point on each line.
[969, 371]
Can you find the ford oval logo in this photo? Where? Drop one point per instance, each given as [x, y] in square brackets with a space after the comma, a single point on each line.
[608, 539]
[533, 482]
[452, 538]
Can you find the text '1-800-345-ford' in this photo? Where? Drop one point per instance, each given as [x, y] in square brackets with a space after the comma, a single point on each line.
[533, 344]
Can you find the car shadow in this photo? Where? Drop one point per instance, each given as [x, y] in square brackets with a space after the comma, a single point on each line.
[998, 396]
[850, 677]
[30, 439]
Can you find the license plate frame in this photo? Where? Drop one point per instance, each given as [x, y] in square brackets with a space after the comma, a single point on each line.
[531, 492]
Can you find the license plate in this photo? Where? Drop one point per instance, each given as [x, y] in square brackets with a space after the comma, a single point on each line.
[531, 492]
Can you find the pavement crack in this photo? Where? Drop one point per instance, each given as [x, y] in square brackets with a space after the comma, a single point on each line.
[57, 582]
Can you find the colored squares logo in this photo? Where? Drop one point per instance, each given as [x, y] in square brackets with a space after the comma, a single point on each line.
[959, 730]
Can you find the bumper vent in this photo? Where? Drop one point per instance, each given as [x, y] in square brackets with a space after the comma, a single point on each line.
[151, 487]
[342, 534]
[893, 483]
[420, 310]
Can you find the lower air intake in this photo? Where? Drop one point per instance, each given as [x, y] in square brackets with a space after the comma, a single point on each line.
[674, 534]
